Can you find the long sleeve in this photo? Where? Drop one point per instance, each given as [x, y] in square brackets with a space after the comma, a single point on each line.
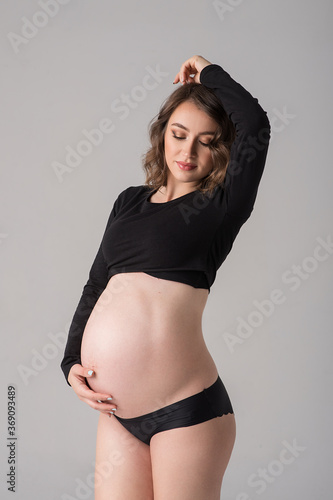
[249, 150]
[98, 279]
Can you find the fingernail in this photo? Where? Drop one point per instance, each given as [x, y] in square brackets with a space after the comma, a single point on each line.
[113, 409]
[90, 372]
[109, 399]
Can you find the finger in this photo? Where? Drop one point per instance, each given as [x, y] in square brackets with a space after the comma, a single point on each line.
[183, 74]
[177, 78]
[110, 412]
[191, 79]
[83, 390]
[183, 78]
[102, 407]
[85, 372]
[188, 67]
[192, 66]
[105, 405]
[104, 398]
[81, 373]
[87, 393]
[180, 77]
[78, 369]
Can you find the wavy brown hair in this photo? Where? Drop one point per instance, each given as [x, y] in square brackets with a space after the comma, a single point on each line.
[153, 160]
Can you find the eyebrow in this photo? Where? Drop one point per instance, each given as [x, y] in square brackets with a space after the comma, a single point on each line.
[187, 130]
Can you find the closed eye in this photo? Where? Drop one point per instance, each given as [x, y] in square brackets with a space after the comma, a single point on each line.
[183, 138]
[178, 137]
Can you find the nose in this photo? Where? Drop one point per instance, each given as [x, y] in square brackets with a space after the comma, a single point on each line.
[189, 148]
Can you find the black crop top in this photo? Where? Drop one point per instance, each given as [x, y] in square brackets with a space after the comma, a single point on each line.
[188, 238]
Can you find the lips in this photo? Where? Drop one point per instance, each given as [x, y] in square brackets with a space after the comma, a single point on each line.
[185, 166]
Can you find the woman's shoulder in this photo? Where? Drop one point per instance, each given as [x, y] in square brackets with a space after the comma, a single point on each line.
[131, 193]
[133, 190]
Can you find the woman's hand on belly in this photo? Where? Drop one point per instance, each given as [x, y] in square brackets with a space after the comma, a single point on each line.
[97, 400]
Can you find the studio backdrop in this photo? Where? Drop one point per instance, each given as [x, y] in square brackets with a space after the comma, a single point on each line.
[80, 82]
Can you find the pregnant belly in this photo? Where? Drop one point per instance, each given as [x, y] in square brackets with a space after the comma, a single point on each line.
[115, 347]
[146, 355]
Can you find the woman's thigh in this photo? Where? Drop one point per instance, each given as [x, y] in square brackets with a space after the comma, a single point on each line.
[123, 465]
[188, 463]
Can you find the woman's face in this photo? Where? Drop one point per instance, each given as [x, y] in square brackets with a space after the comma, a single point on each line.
[187, 136]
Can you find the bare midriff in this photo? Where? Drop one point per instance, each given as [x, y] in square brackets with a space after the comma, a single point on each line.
[144, 341]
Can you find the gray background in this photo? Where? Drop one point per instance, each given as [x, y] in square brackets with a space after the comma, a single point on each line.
[67, 77]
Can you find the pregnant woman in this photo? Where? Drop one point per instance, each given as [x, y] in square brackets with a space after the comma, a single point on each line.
[135, 349]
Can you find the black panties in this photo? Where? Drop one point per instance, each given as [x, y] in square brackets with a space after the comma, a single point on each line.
[210, 403]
